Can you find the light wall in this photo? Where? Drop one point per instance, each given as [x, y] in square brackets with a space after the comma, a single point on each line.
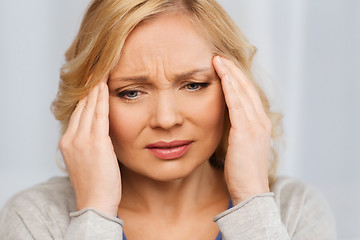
[308, 61]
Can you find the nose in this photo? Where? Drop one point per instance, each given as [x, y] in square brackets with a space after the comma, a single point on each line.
[166, 112]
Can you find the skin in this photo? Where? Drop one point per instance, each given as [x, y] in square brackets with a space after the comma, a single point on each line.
[181, 196]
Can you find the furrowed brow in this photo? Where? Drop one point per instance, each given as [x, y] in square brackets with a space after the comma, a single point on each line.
[131, 78]
[186, 75]
[177, 77]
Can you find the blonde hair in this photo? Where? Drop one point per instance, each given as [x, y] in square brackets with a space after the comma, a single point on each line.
[101, 37]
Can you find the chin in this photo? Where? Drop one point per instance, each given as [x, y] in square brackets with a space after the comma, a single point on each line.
[176, 174]
[167, 177]
[167, 171]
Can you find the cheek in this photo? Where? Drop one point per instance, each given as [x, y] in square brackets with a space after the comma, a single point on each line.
[215, 113]
[208, 109]
[125, 124]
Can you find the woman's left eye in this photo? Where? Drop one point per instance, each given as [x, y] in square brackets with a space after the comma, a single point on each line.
[130, 95]
[195, 86]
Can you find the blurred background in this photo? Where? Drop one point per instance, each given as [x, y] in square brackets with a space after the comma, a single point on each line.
[308, 61]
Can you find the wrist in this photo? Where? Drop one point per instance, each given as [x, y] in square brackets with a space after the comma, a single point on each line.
[108, 209]
[238, 197]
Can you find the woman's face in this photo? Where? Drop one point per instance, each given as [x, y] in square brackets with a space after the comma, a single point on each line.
[166, 102]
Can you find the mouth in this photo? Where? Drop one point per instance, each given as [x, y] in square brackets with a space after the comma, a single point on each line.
[169, 150]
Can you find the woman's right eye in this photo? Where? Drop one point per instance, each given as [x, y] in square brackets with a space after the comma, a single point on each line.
[129, 94]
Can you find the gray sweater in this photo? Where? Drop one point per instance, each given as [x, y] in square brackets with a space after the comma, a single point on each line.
[292, 210]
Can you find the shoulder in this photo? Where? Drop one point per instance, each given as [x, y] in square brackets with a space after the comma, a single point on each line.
[44, 204]
[286, 188]
[292, 192]
[301, 205]
[56, 192]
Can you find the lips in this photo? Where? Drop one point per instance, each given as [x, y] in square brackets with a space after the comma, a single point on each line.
[169, 150]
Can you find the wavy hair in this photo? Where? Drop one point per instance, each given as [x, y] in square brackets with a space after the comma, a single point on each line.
[106, 25]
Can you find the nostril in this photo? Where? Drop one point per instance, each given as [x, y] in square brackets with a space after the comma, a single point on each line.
[166, 114]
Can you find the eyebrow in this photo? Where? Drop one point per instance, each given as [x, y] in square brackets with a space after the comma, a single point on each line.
[178, 77]
[186, 75]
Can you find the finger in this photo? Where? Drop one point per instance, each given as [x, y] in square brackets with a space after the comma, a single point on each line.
[237, 99]
[246, 84]
[101, 117]
[106, 78]
[75, 117]
[87, 114]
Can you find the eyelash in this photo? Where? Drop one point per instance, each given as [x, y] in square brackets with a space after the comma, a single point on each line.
[200, 85]
[125, 92]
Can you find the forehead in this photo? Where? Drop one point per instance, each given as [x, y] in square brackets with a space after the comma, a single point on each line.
[169, 40]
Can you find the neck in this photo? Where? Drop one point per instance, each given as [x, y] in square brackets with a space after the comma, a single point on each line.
[203, 187]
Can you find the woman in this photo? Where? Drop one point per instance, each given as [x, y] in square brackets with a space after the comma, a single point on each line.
[164, 129]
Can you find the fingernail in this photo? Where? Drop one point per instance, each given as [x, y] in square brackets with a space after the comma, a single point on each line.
[219, 60]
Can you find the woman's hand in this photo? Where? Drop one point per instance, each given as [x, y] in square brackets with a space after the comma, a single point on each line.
[89, 154]
[246, 163]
